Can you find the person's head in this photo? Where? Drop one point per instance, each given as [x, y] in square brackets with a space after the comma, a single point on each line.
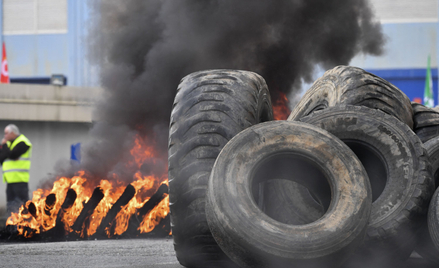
[11, 132]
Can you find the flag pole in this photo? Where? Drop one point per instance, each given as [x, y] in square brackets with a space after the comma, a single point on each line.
[428, 89]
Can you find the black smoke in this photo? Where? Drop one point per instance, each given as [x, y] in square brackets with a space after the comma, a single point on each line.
[143, 49]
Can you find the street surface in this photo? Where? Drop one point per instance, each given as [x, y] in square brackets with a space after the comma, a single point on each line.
[146, 252]
[152, 253]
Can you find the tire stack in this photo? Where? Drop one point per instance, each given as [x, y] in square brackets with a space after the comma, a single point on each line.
[426, 122]
[346, 181]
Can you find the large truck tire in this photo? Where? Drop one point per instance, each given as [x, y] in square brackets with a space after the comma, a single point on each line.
[399, 171]
[425, 246]
[354, 86]
[292, 151]
[210, 108]
[432, 147]
[426, 122]
[433, 222]
[427, 133]
[293, 204]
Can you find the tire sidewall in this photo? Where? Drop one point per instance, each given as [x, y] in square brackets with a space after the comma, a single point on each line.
[396, 213]
[250, 237]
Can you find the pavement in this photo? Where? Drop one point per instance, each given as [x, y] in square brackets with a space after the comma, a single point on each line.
[145, 252]
[151, 253]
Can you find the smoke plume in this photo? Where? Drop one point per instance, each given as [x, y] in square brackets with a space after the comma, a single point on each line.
[143, 49]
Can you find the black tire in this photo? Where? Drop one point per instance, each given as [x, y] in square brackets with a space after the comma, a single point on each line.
[354, 86]
[209, 109]
[427, 133]
[432, 147]
[293, 204]
[433, 219]
[425, 246]
[291, 151]
[426, 122]
[424, 116]
[398, 168]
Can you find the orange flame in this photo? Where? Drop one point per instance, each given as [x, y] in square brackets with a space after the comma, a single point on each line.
[280, 107]
[154, 217]
[45, 216]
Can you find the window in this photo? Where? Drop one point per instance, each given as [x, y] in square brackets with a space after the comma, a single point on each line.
[34, 16]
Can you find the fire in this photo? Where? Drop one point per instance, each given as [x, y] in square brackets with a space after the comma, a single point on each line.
[46, 210]
[153, 218]
[83, 195]
[280, 107]
[141, 151]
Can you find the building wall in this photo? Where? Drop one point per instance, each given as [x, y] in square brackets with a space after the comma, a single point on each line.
[42, 54]
[410, 27]
[405, 11]
[52, 117]
[408, 46]
[405, 57]
[411, 30]
[47, 102]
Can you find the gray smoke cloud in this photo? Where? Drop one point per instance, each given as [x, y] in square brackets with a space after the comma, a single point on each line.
[143, 49]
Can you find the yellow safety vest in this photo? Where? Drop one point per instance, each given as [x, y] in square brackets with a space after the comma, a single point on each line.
[17, 170]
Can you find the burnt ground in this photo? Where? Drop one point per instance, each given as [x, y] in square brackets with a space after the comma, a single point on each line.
[151, 252]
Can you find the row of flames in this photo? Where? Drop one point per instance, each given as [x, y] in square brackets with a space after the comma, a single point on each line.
[43, 221]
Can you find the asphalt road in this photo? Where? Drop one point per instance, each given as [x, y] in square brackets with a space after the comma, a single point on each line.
[153, 253]
[147, 252]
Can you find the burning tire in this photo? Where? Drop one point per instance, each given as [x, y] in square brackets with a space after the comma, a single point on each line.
[426, 122]
[209, 109]
[354, 86]
[292, 151]
[399, 172]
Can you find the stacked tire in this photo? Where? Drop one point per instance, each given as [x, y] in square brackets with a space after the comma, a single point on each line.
[353, 86]
[399, 172]
[383, 118]
[344, 182]
[210, 108]
[426, 122]
[426, 126]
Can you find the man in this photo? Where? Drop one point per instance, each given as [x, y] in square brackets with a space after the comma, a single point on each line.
[15, 154]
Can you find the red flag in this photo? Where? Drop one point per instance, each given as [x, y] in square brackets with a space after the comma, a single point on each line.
[4, 72]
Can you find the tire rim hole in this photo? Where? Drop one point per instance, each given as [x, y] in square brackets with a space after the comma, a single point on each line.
[289, 172]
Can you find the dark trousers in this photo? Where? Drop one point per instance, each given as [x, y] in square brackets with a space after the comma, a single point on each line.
[16, 195]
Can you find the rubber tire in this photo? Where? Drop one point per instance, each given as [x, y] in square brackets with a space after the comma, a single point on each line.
[427, 133]
[210, 108]
[424, 116]
[433, 219]
[426, 122]
[432, 147]
[354, 86]
[425, 246]
[396, 212]
[253, 239]
[293, 204]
